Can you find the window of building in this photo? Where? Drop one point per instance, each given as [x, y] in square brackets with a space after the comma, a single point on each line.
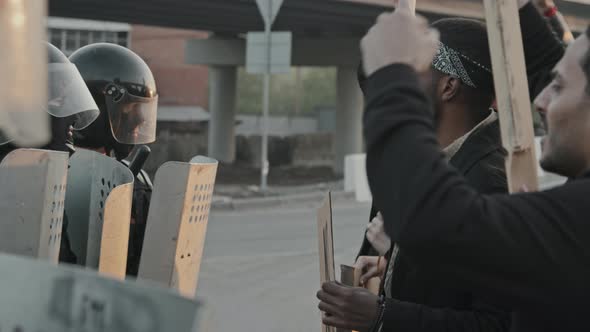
[69, 40]
[72, 42]
[84, 38]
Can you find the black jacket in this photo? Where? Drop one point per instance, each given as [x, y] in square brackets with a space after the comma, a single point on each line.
[480, 160]
[528, 251]
[421, 304]
[142, 195]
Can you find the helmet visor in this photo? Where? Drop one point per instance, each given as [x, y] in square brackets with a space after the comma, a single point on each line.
[132, 118]
[68, 95]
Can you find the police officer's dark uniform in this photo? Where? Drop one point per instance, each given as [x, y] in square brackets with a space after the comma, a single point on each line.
[125, 90]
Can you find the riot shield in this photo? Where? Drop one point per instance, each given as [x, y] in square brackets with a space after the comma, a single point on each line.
[37, 296]
[98, 205]
[23, 88]
[32, 192]
[177, 224]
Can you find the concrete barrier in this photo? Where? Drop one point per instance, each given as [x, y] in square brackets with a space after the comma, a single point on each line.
[355, 177]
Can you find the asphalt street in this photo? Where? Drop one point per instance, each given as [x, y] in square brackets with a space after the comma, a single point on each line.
[260, 269]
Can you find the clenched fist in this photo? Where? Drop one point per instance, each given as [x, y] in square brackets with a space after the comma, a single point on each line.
[399, 37]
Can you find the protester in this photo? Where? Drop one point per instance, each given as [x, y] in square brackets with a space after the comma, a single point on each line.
[461, 85]
[529, 251]
[478, 156]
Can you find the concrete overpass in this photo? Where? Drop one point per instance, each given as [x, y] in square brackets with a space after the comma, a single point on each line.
[310, 18]
[326, 33]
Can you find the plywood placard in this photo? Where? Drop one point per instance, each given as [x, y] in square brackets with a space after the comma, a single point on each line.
[326, 246]
[512, 93]
[351, 276]
[32, 193]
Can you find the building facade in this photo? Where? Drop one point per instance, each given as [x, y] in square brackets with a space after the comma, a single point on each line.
[181, 87]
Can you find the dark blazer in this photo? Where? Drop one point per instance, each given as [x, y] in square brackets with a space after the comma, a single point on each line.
[480, 160]
[459, 251]
[426, 306]
[530, 252]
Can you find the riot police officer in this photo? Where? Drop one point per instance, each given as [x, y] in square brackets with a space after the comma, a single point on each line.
[71, 107]
[125, 90]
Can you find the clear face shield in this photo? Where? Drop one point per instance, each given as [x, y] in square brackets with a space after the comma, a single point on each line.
[132, 118]
[23, 70]
[69, 96]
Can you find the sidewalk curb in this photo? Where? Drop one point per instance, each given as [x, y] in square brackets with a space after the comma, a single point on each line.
[278, 201]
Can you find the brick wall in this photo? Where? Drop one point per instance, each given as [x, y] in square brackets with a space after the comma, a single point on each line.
[163, 50]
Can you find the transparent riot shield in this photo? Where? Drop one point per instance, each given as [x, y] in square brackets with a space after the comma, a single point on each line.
[98, 205]
[177, 224]
[32, 192]
[37, 296]
[23, 60]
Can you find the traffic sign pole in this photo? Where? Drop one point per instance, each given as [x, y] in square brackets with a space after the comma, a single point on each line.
[269, 10]
[265, 167]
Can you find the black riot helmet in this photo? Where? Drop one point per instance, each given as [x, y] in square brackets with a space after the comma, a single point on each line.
[69, 101]
[125, 90]
[68, 95]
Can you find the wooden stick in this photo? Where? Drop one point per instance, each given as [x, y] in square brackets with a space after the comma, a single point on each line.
[512, 93]
[326, 246]
[351, 276]
[407, 4]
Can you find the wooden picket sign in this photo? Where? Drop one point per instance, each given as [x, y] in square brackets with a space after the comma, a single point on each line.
[326, 246]
[351, 276]
[408, 4]
[512, 93]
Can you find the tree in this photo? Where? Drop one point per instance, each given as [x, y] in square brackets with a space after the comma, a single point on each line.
[318, 88]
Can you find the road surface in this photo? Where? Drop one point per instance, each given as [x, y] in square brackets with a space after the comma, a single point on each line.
[260, 270]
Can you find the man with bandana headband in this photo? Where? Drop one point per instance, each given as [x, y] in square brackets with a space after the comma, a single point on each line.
[71, 107]
[461, 87]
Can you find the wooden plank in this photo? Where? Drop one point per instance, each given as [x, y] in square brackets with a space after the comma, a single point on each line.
[351, 276]
[512, 93]
[326, 246]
